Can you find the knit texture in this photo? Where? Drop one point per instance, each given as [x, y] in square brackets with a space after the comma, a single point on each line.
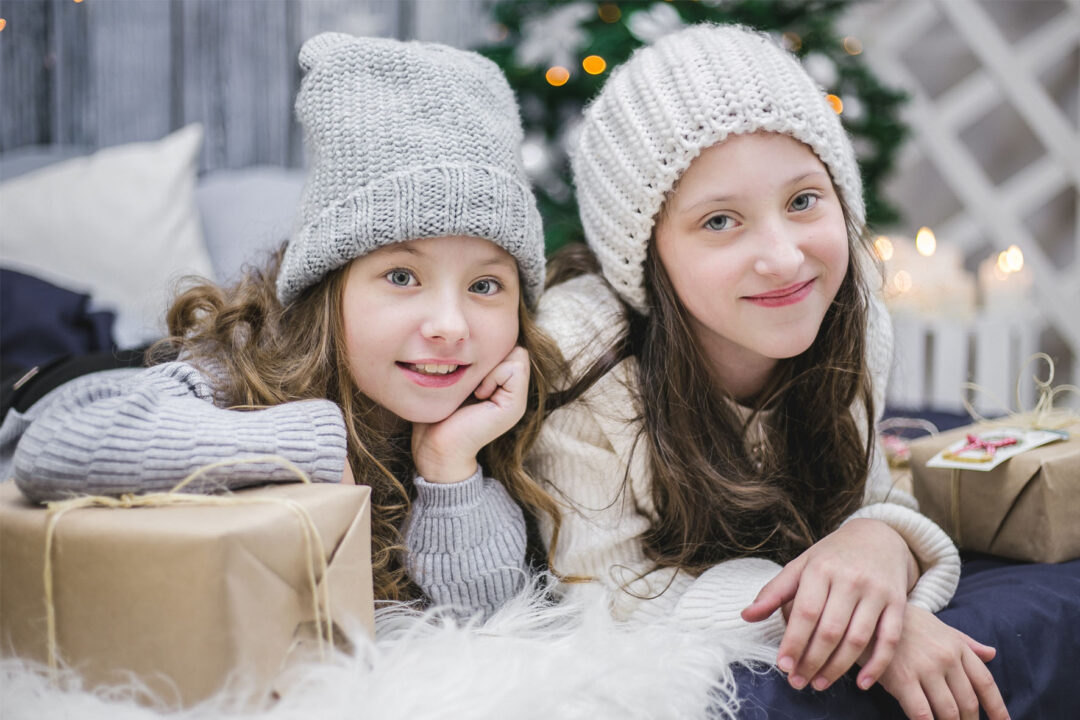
[128, 431]
[667, 103]
[586, 449]
[406, 140]
[485, 528]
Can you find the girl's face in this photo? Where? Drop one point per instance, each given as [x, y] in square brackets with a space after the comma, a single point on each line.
[755, 244]
[427, 320]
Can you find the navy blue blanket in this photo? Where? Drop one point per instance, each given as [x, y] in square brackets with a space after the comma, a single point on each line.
[40, 322]
[1030, 612]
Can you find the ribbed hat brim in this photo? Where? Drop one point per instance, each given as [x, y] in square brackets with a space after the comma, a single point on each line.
[448, 200]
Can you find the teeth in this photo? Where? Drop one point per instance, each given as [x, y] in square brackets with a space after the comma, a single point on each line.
[430, 369]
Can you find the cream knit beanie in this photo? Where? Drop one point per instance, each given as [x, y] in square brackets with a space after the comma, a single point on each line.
[667, 103]
[407, 140]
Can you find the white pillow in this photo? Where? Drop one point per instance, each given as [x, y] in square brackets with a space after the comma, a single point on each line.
[120, 225]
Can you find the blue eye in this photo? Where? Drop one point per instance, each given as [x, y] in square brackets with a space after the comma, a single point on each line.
[804, 201]
[487, 286]
[719, 222]
[401, 278]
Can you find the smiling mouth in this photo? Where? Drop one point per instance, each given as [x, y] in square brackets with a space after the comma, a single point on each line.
[782, 293]
[431, 368]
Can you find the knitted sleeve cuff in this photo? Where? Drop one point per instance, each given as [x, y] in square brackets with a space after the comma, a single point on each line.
[448, 499]
[465, 544]
[936, 553]
[717, 598]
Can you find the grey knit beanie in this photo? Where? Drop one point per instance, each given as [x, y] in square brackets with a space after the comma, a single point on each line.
[667, 103]
[406, 140]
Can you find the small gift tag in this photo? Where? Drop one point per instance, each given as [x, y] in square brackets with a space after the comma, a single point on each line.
[987, 449]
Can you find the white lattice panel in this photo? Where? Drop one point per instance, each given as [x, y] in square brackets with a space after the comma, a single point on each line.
[1007, 61]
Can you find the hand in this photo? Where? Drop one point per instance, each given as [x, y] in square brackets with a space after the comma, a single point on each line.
[446, 451]
[848, 589]
[347, 476]
[939, 672]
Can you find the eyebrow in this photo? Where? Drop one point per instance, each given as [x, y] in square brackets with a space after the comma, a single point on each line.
[726, 198]
[400, 247]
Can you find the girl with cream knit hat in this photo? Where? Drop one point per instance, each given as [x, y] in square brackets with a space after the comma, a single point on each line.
[389, 343]
[714, 452]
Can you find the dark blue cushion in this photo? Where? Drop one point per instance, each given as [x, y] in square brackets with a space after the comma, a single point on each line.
[1030, 612]
[40, 322]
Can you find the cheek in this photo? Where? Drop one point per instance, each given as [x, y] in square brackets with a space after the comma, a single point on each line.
[370, 344]
[703, 279]
[833, 253]
[501, 331]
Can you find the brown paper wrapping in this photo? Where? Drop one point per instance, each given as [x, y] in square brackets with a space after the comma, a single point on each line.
[186, 598]
[1027, 508]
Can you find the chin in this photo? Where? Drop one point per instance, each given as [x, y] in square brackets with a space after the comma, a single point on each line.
[788, 347]
[426, 415]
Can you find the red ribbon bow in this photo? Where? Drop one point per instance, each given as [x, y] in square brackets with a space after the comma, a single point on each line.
[974, 442]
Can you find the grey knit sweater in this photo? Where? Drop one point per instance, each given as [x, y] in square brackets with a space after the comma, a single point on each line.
[132, 431]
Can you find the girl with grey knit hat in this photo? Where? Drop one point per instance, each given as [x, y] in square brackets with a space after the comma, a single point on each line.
[389, 343]
[714, 451]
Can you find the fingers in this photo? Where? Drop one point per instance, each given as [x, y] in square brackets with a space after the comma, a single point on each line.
[913, 700]
[781, 589]
[985, 688]
[511, 376]
[805, 613]
[963, 694]
[886, 641]
[983, 652]
[942, 703]
[829, 636]
[867, 618]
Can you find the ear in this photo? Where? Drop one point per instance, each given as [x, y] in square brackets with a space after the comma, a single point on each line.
[321, 45]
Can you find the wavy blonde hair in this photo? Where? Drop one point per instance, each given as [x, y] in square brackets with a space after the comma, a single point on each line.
[260, 354]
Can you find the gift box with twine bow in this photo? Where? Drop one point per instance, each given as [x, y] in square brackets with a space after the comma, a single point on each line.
[187, 594]
[1027, 507]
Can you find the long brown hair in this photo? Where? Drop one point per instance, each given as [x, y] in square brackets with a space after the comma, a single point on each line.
[263, 354]
[715, 498]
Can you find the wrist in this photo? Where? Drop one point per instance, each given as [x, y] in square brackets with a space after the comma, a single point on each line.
[446, 471]
[914, 570]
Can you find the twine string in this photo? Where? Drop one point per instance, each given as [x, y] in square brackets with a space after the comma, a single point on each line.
[314, 549]
[1044, 416]
[954, 504]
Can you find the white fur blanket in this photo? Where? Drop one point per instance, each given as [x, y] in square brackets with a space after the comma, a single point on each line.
[530, 660]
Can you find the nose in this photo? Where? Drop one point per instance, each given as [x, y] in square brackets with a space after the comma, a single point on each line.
[780, 252]
[445, 319]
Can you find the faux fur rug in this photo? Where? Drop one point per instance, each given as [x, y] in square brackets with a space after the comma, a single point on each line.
[531, 660]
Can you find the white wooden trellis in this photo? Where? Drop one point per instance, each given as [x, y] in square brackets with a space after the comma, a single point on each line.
[934, 357]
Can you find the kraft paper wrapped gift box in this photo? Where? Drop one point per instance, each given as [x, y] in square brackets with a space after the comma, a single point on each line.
[185, 597]
[1026, 508]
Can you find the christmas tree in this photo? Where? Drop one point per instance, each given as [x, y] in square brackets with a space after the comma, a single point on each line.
[558, 54]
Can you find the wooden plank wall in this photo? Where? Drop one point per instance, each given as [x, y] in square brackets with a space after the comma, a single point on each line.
[102, 72]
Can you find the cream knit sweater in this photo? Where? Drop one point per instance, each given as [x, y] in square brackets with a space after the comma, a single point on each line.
[583, 454]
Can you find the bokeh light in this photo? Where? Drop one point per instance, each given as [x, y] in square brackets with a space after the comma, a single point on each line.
[883, 247]
[852, 45]
[557, 75]
[1011, 260]
[609, 12]
[902, 281]
[836, 102]
[594, 64]
[925, 242]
